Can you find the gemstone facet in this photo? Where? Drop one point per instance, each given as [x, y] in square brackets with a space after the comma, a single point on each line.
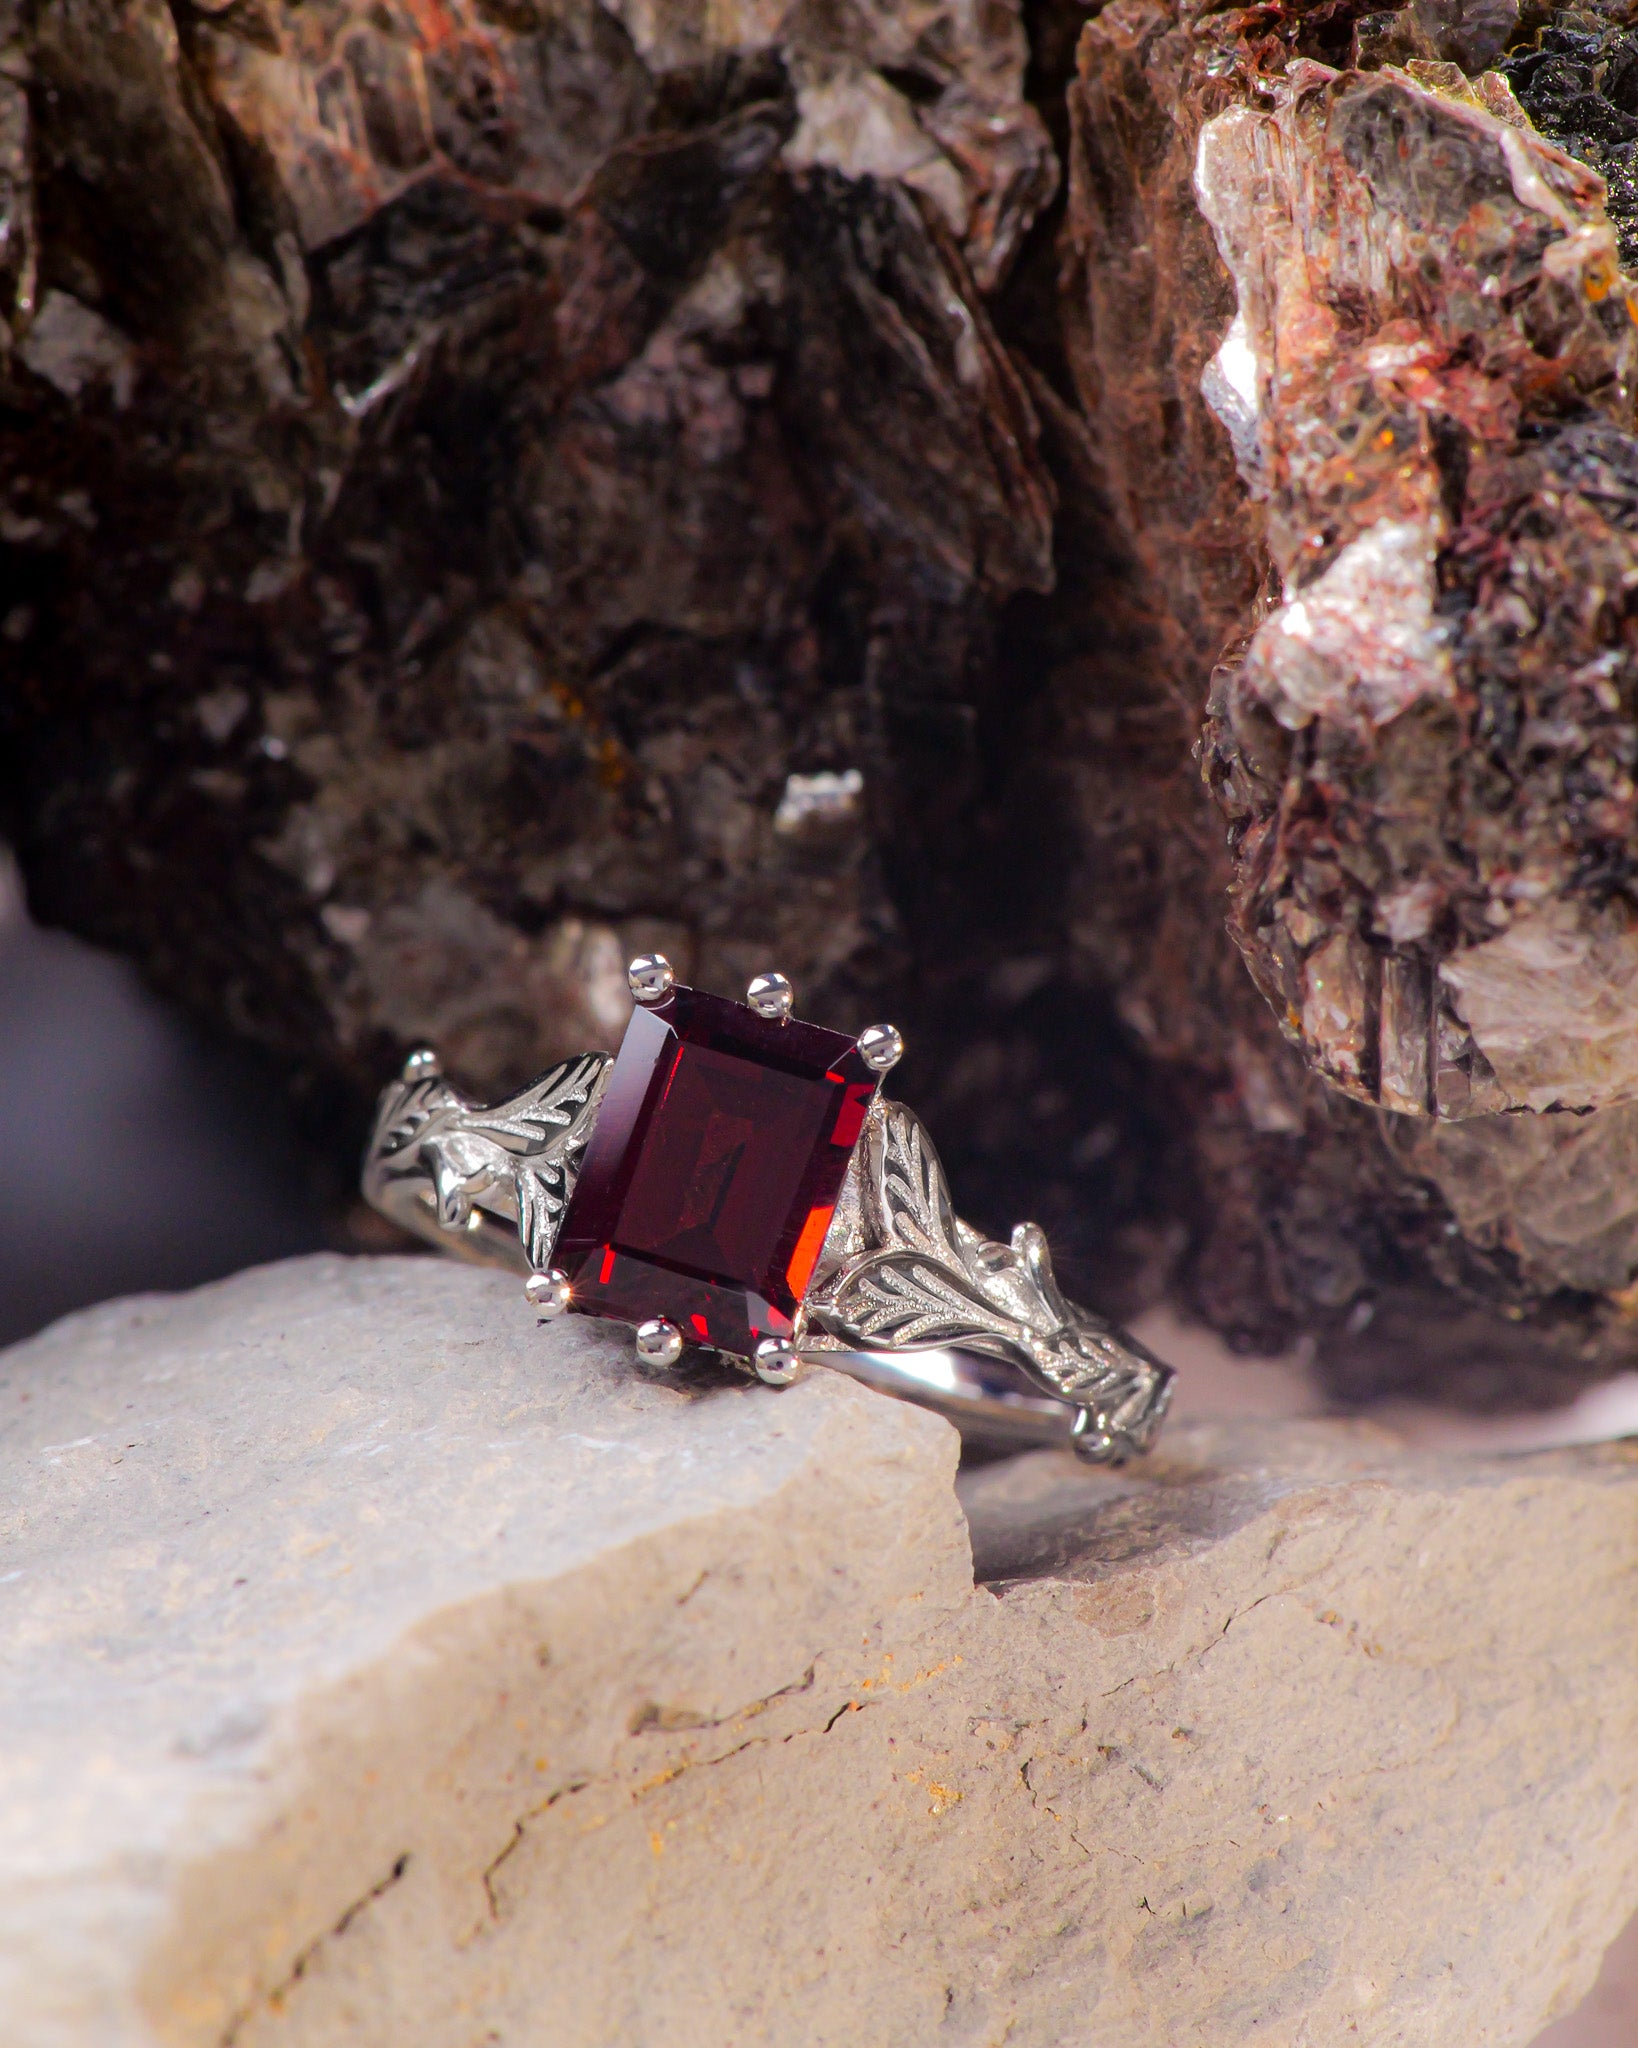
[711, 1177]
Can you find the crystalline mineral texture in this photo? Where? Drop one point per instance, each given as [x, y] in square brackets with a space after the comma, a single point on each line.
[1435, 347]
[592, 421]
[385, 1669]
[492, 494]
[1357, 353]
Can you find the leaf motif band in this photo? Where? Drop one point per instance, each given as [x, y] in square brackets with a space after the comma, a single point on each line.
[489, 1185]
[901, 1271]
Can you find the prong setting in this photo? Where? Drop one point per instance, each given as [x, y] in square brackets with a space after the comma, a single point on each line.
[650, 978]
[1089, 1440]
[776, 1363]
[422, 1065]
[659, 1342]
[548, 1294]
[771, 996]
[880, 1047]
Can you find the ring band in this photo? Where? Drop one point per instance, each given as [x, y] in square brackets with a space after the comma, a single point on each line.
[735, 1180]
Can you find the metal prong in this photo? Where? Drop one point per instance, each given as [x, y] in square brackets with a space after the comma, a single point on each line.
[548, 1293]
[775, 1363]
[771, 996]
[880, 1047]
[659, 1342]
[650, 977]
[1089, 1440]
[422, 1065]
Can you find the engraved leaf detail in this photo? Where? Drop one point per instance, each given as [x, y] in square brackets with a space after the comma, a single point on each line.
[908, 1299]
[912, 1198]
[548, 1109]
[434, 1154]
[929, 1280]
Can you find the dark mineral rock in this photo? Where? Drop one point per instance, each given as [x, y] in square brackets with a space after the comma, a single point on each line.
[490, 490]
[492, 487]
[1577, 79]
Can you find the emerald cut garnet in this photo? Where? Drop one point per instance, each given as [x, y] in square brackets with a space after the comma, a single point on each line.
[713, 1171]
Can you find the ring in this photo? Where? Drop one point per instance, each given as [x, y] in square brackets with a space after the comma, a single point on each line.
[735, 1181]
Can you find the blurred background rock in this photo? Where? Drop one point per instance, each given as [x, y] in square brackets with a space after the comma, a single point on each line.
[138, 1153]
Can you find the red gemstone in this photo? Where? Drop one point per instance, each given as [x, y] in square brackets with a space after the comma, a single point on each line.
[713, 1170]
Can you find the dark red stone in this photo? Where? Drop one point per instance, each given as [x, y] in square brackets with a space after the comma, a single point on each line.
[713, 1171]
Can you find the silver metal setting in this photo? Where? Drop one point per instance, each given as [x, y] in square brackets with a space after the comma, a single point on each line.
[548, 1294]
[771, 996]
[484, 1184]
[905, 1296]
[659, 1342]
[650, 978]
[901, 1272]
[880, 1047]
[776, 1363]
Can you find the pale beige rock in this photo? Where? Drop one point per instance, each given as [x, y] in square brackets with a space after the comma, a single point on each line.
[1560, 1193]
[382, 1669]
[1550, 1006]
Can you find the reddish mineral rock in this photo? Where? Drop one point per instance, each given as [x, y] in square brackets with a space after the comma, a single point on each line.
[1425, 748]
[1418, 344]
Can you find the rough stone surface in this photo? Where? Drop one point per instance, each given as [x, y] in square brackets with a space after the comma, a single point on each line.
[384, 1669]
[500, 447]
[1353, 345]
[490, 490]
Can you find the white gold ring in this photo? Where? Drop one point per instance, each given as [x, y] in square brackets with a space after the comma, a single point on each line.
[734, 1180]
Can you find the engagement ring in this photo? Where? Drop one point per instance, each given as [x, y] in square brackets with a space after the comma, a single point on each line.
[734, 1180]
